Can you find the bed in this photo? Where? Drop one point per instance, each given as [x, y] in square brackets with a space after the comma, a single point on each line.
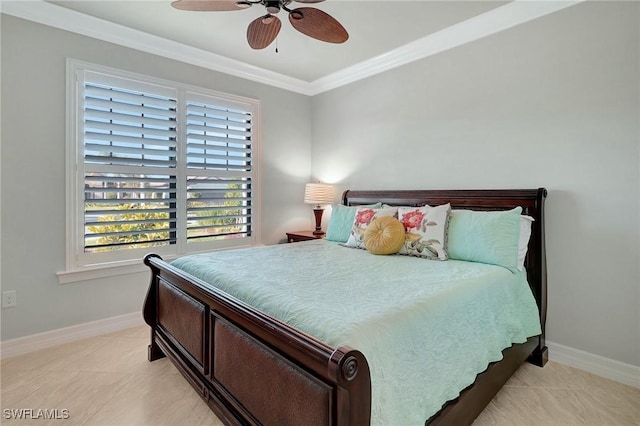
[239, 358]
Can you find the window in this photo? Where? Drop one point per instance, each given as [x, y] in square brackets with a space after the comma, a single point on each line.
[156, 166]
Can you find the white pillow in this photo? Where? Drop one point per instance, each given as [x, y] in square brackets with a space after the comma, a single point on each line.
[523, 242]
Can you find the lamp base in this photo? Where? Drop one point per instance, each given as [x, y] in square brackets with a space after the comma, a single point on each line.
[317, 212]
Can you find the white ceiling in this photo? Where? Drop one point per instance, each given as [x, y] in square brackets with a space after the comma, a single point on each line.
[374, 27]
[383, 34]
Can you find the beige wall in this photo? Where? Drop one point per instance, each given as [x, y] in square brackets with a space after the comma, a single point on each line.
[553, 103]
[33, 171]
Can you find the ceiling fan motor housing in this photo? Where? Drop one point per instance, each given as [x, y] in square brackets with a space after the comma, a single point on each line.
[273, 7]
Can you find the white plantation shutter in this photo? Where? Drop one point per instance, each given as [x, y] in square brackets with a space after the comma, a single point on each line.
[219, 170]
[129, 165]
[160, 169]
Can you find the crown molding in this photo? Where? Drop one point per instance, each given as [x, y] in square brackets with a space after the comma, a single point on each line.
[499, 19]
[70, 20]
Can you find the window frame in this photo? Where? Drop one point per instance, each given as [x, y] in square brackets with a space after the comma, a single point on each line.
[77, 261]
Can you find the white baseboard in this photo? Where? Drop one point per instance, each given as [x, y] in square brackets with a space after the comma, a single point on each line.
[35, 342]
[595, 364]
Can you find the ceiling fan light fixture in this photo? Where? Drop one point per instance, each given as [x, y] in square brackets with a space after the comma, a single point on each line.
[268, 19]
[243, 4]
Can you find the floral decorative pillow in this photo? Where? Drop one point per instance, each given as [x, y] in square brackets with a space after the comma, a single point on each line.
[341, 220]
[426, 231]
[364, 216]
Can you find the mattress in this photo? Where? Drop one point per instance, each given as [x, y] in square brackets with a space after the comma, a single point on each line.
[426, 327]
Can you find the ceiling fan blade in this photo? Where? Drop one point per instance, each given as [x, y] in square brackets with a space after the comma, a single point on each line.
[206, 5]
[262, 31]
[318, 24]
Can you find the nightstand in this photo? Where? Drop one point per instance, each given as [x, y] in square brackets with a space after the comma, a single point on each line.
[294, 237]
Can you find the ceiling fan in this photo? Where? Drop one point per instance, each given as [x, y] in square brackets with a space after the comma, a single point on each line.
[262, 31]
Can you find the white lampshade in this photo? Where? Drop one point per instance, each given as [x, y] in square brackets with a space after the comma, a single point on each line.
[319, 193]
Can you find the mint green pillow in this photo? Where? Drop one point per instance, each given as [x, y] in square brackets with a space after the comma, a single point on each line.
[341, 221]
[485, 237]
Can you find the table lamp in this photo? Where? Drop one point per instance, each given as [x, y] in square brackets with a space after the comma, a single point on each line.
[318, 193]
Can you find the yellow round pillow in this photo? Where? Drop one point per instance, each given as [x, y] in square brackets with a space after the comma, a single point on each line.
[385, 235]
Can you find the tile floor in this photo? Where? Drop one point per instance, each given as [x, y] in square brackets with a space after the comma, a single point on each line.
[107, 380]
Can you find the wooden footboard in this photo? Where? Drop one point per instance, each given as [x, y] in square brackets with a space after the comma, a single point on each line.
[249, 367]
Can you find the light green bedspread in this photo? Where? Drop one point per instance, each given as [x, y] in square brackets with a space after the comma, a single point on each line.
[426, 327]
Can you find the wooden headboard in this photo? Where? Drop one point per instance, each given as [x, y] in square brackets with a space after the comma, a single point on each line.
[531, 201]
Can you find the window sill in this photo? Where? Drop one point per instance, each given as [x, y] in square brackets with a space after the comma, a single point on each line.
[106, 270]
[114, 269]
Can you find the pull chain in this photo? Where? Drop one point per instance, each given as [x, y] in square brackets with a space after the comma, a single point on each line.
[276, 44]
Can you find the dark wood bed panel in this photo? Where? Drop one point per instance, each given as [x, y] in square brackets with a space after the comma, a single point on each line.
[236, 356]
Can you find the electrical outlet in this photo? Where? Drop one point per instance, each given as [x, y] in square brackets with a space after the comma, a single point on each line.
[9, 299]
